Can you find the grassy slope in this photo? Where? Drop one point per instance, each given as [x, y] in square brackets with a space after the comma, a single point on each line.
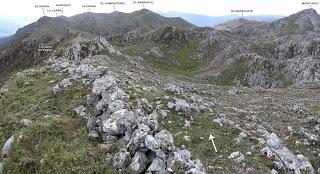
[55, 145]
[177, 60]
[224, 140]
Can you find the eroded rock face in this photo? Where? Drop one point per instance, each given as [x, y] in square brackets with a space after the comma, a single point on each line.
[105, 45]
[82, 48]
[74, 52]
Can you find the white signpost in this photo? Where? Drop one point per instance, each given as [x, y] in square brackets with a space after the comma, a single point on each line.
[214, 145]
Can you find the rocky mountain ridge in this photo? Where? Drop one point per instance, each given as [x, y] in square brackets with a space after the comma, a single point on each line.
[146, 101]
[50, 31]
[306, 20]
[115, 115]
[262, 55]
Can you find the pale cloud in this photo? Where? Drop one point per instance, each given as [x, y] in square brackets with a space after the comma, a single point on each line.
[205, 7]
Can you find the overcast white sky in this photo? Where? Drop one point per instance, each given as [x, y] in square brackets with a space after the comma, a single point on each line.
[205, 7]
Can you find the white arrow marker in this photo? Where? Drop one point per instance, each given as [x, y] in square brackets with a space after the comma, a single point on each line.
[214, 145]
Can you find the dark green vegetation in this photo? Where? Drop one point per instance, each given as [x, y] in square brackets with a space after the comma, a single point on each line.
[57, 143]
[290, 28]
[265, 49]
[177, 60]
[236, 71]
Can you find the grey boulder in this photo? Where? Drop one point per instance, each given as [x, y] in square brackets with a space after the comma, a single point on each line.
[1, 168]
[166, 141]
[157, 165]
[25, 122]
[289, 161]
[119, 122]
[102, 84]
[93, 136]
[151, 143]
[7, 147]
[179, 105]
[139, 163]
[174, 89]
[121, 159]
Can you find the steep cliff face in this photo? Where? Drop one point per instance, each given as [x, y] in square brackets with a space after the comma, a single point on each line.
[23, 54]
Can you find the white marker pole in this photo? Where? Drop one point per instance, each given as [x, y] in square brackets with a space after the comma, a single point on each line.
[214, 145]
[44, 14]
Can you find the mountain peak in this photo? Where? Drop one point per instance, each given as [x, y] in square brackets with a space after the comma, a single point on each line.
[305, 20]
[144, 10]
[307, 12]
[237, 24]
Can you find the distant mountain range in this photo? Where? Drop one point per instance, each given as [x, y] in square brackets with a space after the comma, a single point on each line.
[21, 48]
[4, 39]
[9, 24]
[210, 21]
[180, 41]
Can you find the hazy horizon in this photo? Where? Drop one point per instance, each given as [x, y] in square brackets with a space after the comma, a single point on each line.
[205, 7]
[12, 23]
